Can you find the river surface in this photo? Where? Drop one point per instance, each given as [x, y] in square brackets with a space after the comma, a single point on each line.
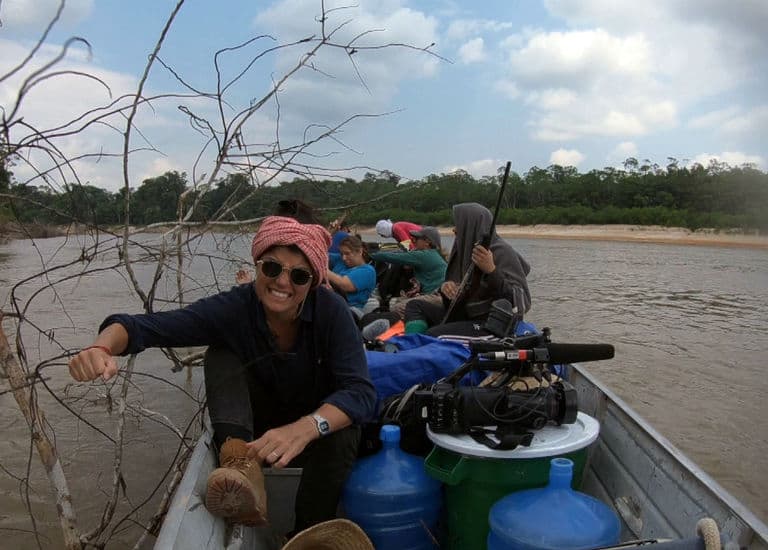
[689, 323]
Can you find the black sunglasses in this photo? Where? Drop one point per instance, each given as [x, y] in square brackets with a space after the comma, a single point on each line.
[272, 269]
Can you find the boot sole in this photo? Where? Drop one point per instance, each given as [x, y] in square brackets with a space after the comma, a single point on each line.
[230, 495]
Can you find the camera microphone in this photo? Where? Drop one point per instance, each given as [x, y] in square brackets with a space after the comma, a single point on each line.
[553, 353]
[579, 353]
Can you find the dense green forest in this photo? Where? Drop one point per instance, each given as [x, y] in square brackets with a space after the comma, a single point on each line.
[716, 196]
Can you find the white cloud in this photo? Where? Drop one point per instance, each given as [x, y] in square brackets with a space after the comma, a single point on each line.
[566, 157]
[629, 69]
[322, 97]
[16, 14]
[734, 119]
[553, 98]
[460, 29]
[472, 51]
[55, 103]
[584, 54]
[733, 158]
[700, 47]
[507, 88]
[94, 150]
[364, 82]
[477, 168]
[625, 149]
[59, 99]
[714, 118]
[157, 167]
[618, 123]
[588, 83]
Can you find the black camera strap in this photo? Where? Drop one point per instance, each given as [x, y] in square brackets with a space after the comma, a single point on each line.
[509, 436]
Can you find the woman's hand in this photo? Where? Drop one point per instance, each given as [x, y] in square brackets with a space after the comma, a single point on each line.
[483, 259]
[91, 363]
[243, 276]
[279, 446]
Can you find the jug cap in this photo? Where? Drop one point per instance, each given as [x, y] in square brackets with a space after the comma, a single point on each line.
[389, 432]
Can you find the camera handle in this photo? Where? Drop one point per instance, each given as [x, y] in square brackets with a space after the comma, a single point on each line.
[509, 436]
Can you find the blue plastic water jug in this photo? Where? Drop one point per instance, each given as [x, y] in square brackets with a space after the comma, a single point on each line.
[392, 498]
[553, 517]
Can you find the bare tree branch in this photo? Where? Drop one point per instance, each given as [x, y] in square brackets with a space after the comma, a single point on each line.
[157, 263]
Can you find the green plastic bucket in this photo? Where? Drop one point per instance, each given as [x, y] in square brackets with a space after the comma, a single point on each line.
[476, 476]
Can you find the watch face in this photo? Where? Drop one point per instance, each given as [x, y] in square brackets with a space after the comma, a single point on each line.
[322, 424]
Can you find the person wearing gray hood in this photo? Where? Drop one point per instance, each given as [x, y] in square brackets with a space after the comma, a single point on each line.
[499, 271]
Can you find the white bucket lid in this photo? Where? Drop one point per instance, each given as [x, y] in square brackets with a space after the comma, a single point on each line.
[548, 441]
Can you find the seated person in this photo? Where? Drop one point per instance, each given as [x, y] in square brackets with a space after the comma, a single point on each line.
[353, 275]
[426, 259]
[498, 271]
[297, 209]
[286, 375]
[428, 266]
[400, 231]
[340, 230]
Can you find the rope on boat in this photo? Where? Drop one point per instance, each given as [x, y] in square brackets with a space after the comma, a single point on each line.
[707, 529]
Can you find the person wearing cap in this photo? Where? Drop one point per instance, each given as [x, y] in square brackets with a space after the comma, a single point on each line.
[428, 265]
[497, 271]
[400, 231]
[426, 258]
[286, 377]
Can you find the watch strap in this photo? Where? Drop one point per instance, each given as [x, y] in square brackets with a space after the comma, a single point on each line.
[322, 425]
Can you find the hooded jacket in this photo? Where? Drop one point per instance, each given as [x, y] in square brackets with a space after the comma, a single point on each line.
[508, 280]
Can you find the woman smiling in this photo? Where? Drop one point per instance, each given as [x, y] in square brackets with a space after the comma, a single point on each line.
[286, 376]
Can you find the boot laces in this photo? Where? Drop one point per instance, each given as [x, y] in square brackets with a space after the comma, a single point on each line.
[237, 462]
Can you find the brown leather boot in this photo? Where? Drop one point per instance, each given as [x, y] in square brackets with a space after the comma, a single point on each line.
[236, 489]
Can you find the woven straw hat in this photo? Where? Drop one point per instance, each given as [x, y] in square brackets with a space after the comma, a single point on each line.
[335, 534]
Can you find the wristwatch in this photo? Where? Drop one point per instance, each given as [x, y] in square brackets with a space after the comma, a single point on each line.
[323, 427]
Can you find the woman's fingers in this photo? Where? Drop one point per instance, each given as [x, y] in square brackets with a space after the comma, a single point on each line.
[91, 363]
[110, 369]
[277, 447]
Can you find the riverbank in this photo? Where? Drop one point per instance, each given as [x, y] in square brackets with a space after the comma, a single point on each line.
[624, 233]
[641, 233]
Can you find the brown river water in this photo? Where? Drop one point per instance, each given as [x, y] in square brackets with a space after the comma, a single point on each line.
[689, 323]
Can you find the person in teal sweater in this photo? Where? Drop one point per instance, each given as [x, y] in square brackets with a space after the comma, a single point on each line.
[426, 259]
[429, 268]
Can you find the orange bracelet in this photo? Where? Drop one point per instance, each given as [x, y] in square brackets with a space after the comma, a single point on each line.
[105, 349]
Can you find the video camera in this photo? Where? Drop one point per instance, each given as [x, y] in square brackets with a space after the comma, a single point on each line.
[454, 410]
[451, 408]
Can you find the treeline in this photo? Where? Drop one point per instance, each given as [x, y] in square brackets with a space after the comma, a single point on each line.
[717, 196]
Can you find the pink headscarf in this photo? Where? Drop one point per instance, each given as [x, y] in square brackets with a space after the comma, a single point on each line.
[312, 240]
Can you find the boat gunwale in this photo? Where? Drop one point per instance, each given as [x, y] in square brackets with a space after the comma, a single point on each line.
[717, 491]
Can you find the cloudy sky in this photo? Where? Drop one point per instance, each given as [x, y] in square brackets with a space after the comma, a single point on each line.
[585, 83]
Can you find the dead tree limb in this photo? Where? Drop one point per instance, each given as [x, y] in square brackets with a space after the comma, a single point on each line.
[24, 395]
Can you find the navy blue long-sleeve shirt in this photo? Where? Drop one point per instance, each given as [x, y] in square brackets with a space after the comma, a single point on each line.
[326, 365]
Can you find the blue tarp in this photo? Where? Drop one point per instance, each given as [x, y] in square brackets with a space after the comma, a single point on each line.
[421, 359]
